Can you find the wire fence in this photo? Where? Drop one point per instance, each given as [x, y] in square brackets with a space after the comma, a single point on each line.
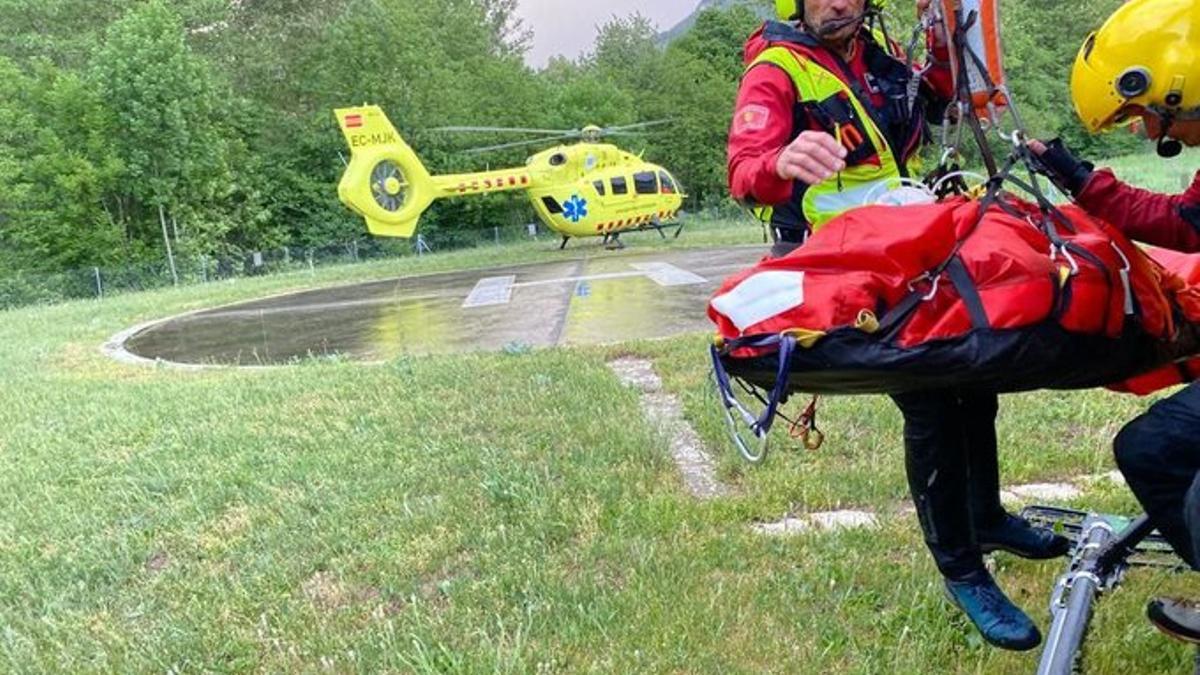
[21, 288]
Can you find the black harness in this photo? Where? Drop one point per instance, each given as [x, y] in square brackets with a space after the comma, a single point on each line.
[903, 127]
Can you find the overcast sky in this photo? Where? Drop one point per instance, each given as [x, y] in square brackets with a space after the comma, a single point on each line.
[569, 27]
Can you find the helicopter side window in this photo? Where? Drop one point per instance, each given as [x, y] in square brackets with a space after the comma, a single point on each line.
[645, 183]
[599, 187]
[558, 159]
[619, 186]
[552, 205]
[668, 185]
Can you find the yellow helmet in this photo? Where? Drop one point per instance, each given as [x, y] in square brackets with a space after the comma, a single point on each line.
[791, 10]
[1146, 55]
[788, 10]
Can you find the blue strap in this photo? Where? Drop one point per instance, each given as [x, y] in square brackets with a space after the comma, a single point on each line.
[786, 345]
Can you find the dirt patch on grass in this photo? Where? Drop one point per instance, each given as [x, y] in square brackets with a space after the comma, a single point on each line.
[228, 528]
[637, 373]
[328, 592]
[157, 562]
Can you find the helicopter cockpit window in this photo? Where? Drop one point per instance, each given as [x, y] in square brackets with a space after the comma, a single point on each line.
[619, 186]
[599, 187]
[552, 205]
[668, 185]
[558, 159]
[645, 183]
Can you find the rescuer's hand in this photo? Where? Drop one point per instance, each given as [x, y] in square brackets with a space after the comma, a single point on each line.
[1065, 169]
[814, 157]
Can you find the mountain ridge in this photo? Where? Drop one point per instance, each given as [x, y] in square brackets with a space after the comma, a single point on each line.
[683, 26]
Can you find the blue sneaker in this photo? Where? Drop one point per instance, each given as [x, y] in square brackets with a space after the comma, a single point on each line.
[1016, 536]
[1001, 623]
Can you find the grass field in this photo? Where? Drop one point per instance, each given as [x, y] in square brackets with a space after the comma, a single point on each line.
[492, 513]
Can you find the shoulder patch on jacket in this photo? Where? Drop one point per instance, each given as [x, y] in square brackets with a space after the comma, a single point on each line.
[752, 117]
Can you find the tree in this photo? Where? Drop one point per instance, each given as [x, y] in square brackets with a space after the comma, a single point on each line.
[165, 123]
[55, 168]
[702, 71]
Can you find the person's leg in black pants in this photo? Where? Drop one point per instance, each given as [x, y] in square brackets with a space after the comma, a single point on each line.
[977, 417]
[935, 460]
[1159, 454]
[953, 475]
[995, 528]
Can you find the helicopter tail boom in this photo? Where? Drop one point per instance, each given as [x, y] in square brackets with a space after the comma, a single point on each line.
[387, 184]
[466, 184]
[384, 182]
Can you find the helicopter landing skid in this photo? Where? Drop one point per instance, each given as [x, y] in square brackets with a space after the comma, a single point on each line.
[613, 242]
[658, 227]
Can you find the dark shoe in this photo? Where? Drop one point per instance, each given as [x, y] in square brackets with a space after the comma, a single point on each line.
[1001, 623]
[1178, 618]
[1016, 536]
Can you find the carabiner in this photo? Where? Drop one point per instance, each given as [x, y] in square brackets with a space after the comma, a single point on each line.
[933, 285]
[1061, 249]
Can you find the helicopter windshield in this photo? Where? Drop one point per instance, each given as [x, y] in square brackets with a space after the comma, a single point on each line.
[668, 183]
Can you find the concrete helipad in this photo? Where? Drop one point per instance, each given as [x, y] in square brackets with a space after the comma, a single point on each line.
[602, 298]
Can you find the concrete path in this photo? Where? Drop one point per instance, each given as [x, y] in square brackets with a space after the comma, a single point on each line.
[663, 410]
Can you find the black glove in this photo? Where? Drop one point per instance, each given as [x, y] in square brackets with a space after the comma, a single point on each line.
[1066, 170]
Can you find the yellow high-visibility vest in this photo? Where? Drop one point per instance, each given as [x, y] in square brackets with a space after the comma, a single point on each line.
[856, 185]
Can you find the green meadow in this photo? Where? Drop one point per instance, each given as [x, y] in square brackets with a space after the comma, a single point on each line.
[484, 513]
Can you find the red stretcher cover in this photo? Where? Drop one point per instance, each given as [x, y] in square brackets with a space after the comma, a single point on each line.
[891, 299]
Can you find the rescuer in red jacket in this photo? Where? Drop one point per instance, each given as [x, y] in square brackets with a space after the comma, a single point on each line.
[826, 118]
[853, 124]
[1145, 63]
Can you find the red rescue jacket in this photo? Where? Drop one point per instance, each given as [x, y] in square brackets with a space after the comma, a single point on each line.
[767, 117]
[1171, 222]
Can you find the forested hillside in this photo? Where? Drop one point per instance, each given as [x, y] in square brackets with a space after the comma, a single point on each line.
[209, 122]
[764, 10]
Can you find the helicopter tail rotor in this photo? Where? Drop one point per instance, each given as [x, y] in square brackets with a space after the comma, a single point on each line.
[384, 182]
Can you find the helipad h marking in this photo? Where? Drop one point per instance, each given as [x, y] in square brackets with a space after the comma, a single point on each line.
[666, 274]
[491, 291]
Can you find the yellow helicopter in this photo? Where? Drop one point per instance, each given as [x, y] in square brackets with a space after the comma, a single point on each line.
[587, 189]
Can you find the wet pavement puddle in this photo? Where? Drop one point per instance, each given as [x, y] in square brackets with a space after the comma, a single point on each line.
[601, 299]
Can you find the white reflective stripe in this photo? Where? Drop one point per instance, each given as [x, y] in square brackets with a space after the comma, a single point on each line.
[760, 297]
[906, 195]
[832, 202]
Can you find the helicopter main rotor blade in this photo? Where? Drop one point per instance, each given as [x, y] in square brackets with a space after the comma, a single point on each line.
[513, 130]
[639, 125]
[519, 144]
